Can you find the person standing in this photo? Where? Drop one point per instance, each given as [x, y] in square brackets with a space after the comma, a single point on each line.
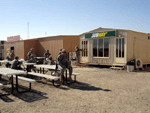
[78, 54]
[31, 53]
[63, 64]
[8, 53]
[12, 55]
[47, 54]
[60, 51]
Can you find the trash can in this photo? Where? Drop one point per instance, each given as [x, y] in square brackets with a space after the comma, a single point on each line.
[73, 61]
[130, 65]
[130, 68]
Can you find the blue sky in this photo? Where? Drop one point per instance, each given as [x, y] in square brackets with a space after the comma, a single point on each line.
[71, 17]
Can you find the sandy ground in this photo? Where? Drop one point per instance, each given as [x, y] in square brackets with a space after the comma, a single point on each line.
[98, 90]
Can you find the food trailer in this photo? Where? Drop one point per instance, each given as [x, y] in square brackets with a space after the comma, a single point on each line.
[106, 46]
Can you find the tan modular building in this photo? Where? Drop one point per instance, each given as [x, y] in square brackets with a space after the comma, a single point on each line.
[40, 45]
[106, 46]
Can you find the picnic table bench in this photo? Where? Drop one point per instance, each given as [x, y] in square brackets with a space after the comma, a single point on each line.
[24, 79]
[53, 78]
[1, 85]
[74, 74]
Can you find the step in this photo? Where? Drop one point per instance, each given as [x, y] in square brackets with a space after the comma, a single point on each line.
[120, 68]
[119, 65]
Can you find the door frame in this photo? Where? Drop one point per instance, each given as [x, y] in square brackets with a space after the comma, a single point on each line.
[117, 59]
[85, 57]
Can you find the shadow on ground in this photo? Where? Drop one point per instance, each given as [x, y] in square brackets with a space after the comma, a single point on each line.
[5, 98]
[82, 86]
[30, 96]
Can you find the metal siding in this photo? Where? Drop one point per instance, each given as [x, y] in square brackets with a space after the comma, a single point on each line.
[141, 48]
[70, 42]
[18, 48]
[53, 44]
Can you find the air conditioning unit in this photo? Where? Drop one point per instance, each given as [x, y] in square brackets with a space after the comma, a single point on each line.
[138, 63]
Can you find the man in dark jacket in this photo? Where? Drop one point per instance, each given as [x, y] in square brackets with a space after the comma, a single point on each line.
[16, 64]
[47, 54]
[63, 64]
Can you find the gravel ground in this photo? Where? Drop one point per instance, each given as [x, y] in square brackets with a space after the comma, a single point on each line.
[98, 90]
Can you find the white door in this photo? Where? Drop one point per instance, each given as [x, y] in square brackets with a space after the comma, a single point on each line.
[120, 51]
[84, 53]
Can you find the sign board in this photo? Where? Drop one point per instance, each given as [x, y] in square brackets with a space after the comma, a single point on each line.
[13, 38]
[101, 34]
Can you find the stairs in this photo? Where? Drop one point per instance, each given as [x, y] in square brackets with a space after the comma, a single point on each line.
[119, 66]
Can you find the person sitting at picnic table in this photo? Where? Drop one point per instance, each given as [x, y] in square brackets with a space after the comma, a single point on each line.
[16, 64]
[32, 59]
[49, 61]
[12, 55]
[8, 64]
[29, 67]
[64, 63]
[30, 53]
[47, 54]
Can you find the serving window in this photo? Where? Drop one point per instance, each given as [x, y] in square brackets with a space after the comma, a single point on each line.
[101, 47]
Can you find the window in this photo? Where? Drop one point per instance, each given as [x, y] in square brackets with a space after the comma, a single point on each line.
[116, 47]
[106, 47]
[95, 47]
[120, 47]
[101, 47]
[84, 47]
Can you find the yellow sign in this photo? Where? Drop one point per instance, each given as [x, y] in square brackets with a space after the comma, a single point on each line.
[102, 34]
